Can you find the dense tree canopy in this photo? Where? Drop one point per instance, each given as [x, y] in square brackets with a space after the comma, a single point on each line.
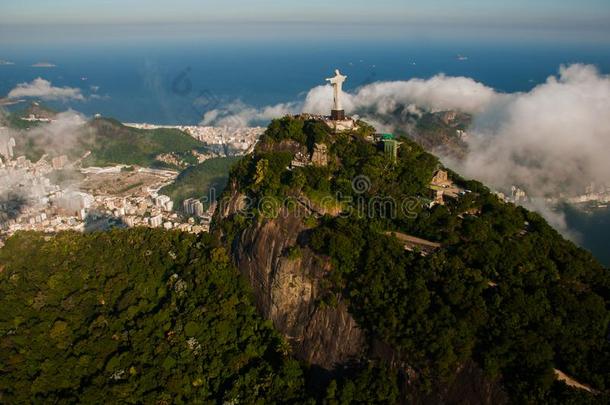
[136, 316]
[204, 181]
[109, 141]
[161, 317]
[505, 290]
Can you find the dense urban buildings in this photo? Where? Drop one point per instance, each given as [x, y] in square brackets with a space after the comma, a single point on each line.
[121, 195]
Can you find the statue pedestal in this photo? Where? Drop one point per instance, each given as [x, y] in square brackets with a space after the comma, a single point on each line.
[337, 115]
[337, 126]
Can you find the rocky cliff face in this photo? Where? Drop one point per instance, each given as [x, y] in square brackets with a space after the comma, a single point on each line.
[287, 290]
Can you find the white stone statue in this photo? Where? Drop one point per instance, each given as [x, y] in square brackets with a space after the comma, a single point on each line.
[337, 83]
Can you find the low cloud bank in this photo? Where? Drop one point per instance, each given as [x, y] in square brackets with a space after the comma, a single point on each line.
[552, 140]
[438, 93]
[60, 135]
[57, 137]
[43, 89]
[53, 138]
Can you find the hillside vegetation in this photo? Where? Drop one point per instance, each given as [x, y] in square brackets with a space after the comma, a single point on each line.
[205, 180]
[504, 291]
[109, 141]
[145, 316]
[152, 316]
[133, 316]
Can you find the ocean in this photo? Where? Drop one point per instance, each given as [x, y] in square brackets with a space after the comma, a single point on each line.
[159, 83]
[593, 228]
[148, 81]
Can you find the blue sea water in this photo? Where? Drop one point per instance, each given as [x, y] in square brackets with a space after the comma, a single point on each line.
[152, 82]
[593, 228]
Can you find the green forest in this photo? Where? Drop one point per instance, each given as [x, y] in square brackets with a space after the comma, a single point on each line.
[152, 316]
[198, 181]
[109, 141]
[133, 316]
[505, 291]
[145, 316]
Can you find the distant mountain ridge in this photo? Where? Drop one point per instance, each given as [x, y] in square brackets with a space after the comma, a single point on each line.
[109, 141]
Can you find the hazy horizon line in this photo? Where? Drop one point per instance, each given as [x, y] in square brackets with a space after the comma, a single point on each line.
[570, 32]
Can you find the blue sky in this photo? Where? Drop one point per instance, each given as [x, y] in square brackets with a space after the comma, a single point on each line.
[152, 11]
[86, 21]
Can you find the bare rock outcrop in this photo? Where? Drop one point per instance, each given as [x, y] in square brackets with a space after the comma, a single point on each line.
[287, 290]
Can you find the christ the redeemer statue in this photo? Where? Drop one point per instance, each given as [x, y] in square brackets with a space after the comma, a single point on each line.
[337, 114]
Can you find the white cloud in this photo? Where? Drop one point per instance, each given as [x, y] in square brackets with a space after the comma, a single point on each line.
[238, 114]
[555, 218]
[438, 93]
[553, 139]
[61, 134]
[43, 89]
[55, 137]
